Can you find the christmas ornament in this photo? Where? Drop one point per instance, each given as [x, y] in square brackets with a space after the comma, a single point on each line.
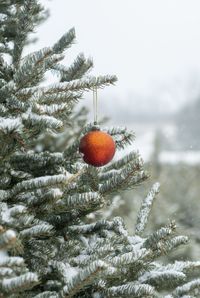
[97, 147]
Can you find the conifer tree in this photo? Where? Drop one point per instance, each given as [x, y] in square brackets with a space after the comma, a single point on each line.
[54, 240]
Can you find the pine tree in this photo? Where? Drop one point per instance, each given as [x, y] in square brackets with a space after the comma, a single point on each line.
[55, 241]
[187, 120]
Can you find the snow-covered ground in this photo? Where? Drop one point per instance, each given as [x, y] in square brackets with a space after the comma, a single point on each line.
[188, 157]
[144, 143]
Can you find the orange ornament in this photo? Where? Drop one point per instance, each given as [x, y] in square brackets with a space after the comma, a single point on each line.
[98, 148]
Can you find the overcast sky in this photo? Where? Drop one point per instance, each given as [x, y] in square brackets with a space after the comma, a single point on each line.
[152, 46]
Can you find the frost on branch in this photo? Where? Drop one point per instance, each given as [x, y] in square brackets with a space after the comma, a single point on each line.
[79, 68]
[145, 209]
[131, 290]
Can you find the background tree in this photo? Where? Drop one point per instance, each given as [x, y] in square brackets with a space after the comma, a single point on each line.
[188, 129]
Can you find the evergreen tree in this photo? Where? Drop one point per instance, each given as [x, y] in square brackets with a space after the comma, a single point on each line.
[55, 242]
[187, 121]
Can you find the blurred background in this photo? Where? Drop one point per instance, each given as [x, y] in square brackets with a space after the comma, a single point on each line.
[154, 49]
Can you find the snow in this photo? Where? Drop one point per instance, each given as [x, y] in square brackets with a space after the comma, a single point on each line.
[10, 123]
[8, 213]
[57, 193]
[19, 280]
[69, 272]
[153, 275]
[5, 260]
[3, 254]
[10, 234]
[175, 157]
[5, 213]
[17, 210]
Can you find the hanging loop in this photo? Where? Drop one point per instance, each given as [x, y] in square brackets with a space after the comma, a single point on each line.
[95, 105]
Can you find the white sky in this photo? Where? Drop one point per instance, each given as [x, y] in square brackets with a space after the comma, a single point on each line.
[152, 46]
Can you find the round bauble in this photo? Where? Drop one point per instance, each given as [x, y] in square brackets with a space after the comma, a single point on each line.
[97, 147]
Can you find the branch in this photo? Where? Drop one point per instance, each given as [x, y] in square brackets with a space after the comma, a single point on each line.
[145, 209]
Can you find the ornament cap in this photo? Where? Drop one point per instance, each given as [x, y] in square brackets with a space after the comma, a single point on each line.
[95, 126]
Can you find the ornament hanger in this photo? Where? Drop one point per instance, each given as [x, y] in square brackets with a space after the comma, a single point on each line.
[96, 146]
[95, 105]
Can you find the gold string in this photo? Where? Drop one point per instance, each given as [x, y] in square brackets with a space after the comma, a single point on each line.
[95, 105]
